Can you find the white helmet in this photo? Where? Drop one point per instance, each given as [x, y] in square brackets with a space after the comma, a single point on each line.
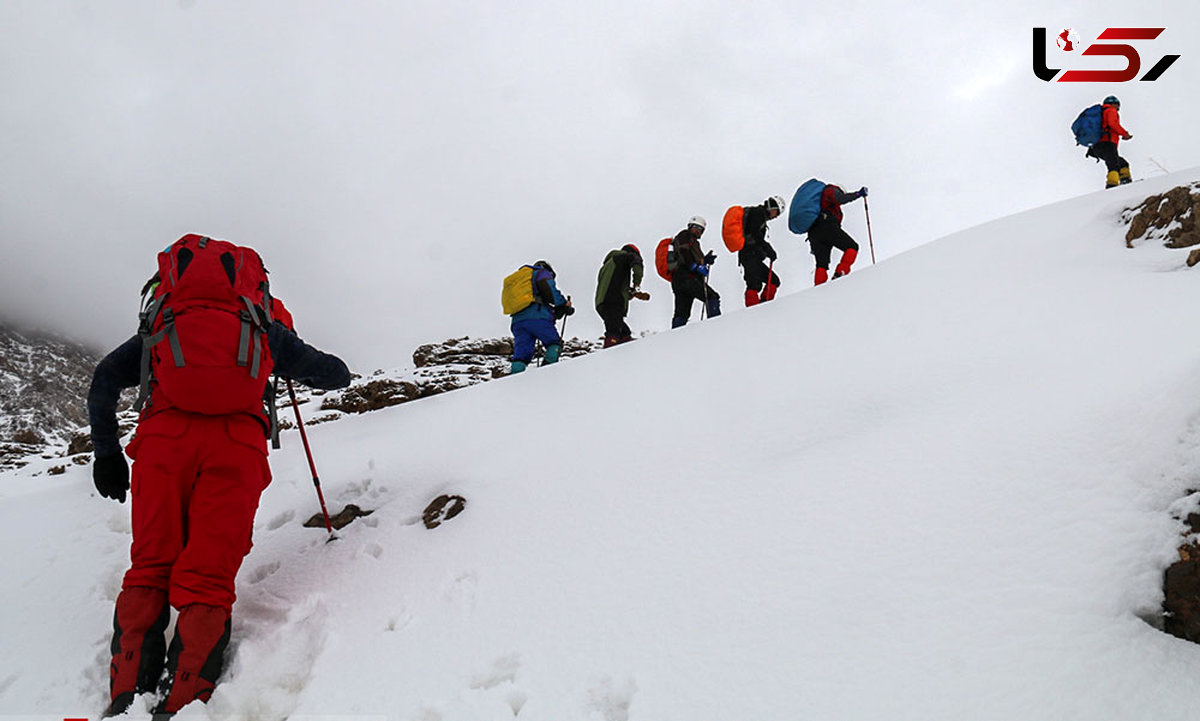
[697, 221]
[776, 202]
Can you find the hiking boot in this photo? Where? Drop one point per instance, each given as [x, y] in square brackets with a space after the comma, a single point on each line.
[752, 298]
[138, 646]
[196, 656]
[843, 266]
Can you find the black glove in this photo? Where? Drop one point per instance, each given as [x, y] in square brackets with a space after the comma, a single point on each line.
[862, 192]
[710, 258]
[770, 252]
[111, 476]
[563, 310]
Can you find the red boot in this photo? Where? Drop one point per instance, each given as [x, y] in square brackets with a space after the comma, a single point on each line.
[751, 297]
[820, 276]
[139, 647]
[196, 656]
[769, 292]
[843, 267]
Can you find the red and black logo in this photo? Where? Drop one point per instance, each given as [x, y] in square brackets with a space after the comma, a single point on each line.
[1067, 42]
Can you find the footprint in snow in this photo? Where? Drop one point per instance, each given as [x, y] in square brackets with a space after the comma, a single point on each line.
[281, 520]
[612, 700]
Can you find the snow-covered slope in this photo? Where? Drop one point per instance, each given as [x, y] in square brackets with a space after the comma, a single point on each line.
[940, 488]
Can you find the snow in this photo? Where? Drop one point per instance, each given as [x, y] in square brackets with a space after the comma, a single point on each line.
[943, 487]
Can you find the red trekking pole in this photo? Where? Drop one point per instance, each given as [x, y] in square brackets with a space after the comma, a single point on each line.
[308, 452]
[867, 210]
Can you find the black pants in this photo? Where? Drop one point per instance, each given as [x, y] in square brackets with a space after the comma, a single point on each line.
[613, 315]
[825, 235]
[688, 287]
[1107, 152]
[755, 272]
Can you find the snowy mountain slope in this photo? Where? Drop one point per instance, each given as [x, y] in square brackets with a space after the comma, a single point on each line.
[40, 395]
[936, 489]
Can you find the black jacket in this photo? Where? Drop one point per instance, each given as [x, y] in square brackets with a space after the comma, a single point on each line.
[687, 251]
[121, 369]
[754, 228]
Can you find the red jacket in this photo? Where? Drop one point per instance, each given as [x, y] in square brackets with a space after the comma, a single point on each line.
[832, 199]
[1110, 125]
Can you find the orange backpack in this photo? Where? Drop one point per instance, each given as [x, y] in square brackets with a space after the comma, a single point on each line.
[664, 259]
[731, 229]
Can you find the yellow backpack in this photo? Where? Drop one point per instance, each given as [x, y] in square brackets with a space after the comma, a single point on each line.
[517, 294]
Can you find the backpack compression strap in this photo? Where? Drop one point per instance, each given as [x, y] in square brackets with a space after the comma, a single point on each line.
[253, 319]
[148, 317]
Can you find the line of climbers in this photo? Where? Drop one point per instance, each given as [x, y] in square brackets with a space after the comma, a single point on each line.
[534, 303]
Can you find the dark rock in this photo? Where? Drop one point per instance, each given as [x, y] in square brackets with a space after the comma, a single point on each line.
[442, 508]
[80, 443]
[339, 520]
[1178, 209]
[1181, 584]
[374, 395]
[28, 437]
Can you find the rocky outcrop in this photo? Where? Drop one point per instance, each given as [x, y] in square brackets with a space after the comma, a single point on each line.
[43, 392]
[1181, 584]
[440, 367]
[1170, 218]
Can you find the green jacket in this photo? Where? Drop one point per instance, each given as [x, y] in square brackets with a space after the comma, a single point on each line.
[620, 273]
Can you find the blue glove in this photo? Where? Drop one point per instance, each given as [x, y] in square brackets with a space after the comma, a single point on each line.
[862, 192]
[701, 269]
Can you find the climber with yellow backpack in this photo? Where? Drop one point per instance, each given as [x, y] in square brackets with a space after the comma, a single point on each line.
[533, 301]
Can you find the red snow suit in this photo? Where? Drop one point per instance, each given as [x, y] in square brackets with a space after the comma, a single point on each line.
[196, 483]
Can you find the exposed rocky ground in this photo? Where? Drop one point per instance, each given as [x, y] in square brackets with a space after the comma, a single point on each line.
[44, 383]
[1181, 581]
[1169, 218]
[43, 390]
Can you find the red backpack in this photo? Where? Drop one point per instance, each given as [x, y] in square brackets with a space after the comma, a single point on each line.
[664, 259]
[204, 330]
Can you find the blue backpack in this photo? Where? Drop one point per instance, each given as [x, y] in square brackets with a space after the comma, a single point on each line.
[1087, 127]
[806, 206]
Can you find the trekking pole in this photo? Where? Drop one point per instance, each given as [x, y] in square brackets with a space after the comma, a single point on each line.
[704, 308]
[308, 451]
[770, 275]
[867, 210]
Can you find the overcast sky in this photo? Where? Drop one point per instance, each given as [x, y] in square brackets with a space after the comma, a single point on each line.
[393, 160]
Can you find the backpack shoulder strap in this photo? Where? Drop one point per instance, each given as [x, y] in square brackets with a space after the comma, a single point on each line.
[146, 320]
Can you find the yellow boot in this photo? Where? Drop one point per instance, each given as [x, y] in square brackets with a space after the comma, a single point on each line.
[1113, 179]
[1125, 176]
